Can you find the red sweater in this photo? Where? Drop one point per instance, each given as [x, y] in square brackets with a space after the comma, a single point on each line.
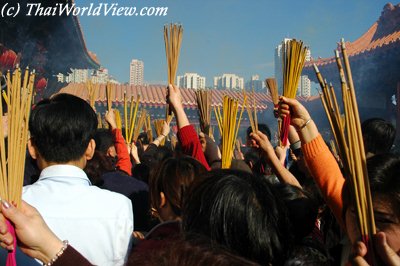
[327, 175]
[191, 144]
[124, 162]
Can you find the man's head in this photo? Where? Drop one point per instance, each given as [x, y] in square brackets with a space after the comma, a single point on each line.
[105, 142]
[378, 135]
[62, 130]
[263, 128]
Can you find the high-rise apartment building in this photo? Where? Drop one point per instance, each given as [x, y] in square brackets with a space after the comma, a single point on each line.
[255, 83]
[191, 81]
[229, 81]
[136, 72]
[78, 76]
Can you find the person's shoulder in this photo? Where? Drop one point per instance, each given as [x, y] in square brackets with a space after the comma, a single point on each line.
[122, 178]
[109, 197]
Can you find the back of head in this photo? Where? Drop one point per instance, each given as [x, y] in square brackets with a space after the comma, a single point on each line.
[263, 128]
[187, 252]
[104, 140]
[303, 210]
[378, 135]
[235, 165]
[143, 138]
[239, 211]
[383, 174]
[173, 177]
[61, 128]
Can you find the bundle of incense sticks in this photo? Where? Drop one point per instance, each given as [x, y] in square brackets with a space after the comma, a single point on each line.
[230, 128]
[218, 117]
[173, 39]
[149, 129]
[203, 98]
[91, 92]
[99, 121]
[349, 140]
[273, 91]
[5, 97]
[139, 125]
[174, 141]
[333, 148]
[250, 109]
[118, 120]
[158, 125]
[212, 129]
[239, 145]
[109, 89]
[130, 119]
[20, 93]
[293, 59]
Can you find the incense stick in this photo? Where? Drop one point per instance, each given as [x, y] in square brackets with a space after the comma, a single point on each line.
[230, 128]
[203, 98]
[20, 94]
[172, 39]
[349, 140]
[293, 59]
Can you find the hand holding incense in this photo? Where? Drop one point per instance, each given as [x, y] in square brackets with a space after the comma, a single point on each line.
[110, 119]
[293, 59]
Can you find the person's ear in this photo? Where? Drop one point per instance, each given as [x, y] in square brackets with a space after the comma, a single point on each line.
[90, 149]
[163, 200]
[32, 150]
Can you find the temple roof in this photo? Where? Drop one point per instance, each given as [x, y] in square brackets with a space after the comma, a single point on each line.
[51, 45]
[384, 32]
[155, 95]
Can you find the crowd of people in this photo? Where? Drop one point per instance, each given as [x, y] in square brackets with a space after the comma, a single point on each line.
[90, 198]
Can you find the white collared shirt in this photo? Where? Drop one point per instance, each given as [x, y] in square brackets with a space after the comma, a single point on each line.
[96, 222]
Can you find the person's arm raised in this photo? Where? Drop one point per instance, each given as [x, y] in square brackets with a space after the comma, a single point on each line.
[175, 98]
[320, 161]
[283, 174]
[187, 135]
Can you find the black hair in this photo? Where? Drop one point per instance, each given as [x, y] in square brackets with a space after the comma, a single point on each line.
[263, 128]
[241, 212]
[3, 87]
[173, 177]
[104, 139]
[383, 174]
[144, 138]
[61, 128]
[188, 251]
[302, 208]
[97, 166]
[378, 135]
[251, 157]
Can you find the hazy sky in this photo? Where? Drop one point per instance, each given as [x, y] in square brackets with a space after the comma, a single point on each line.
[224, 36]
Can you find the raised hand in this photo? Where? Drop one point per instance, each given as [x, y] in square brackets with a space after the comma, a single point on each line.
[110, 119]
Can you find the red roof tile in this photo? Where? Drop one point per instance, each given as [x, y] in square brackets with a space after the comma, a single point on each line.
[154, 95]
